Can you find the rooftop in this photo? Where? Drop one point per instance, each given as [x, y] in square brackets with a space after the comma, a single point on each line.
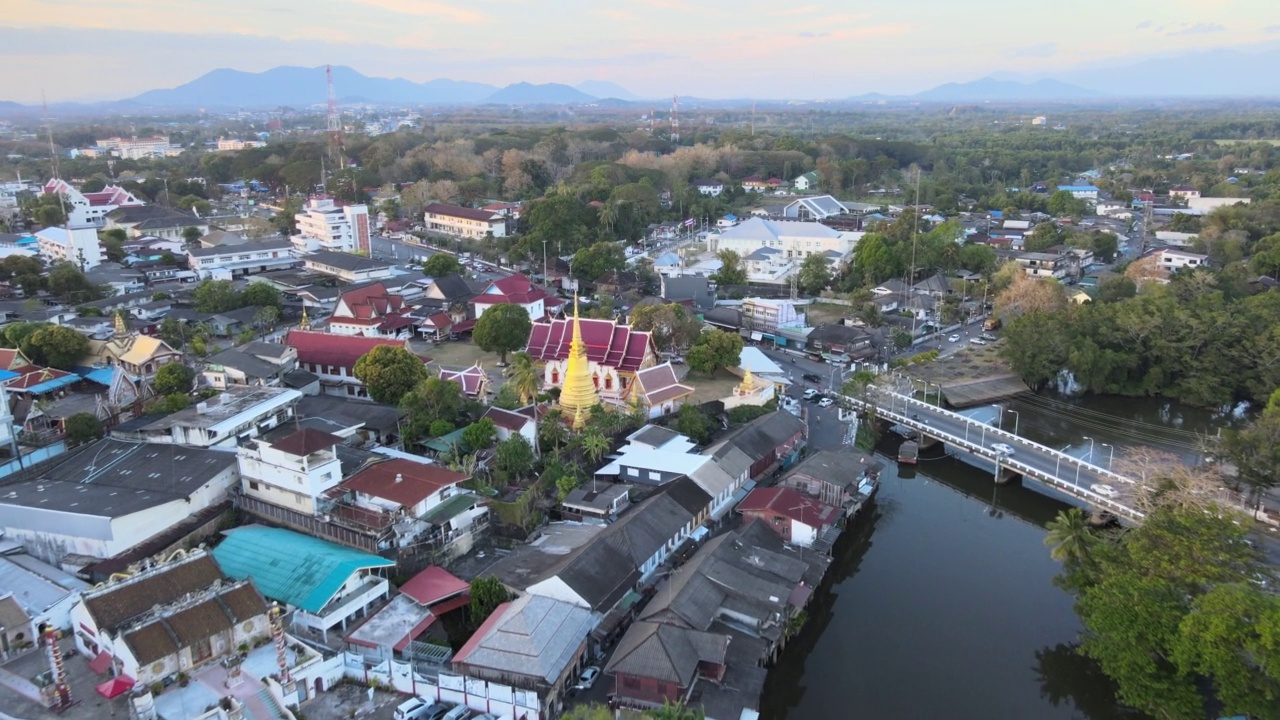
[533, 636]
[241, 249]
[342, 261]
[404, 482]
[433, 585]
[231, 402]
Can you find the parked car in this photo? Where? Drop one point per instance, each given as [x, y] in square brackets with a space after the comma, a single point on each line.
[826, 402]
[1002, 448]
[954, 338]
[588, 678]
[810, 394]
[409, 709]
[817, 398]
[1103, 490]
[988, 337]
[977, 341]
[811, 378]
[437, 711]
[461, 712]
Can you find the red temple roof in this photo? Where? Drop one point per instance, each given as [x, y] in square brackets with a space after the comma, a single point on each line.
[607, 342]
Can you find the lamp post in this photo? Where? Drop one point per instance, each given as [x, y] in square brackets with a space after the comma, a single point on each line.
[544, 263]
[1015, 420]
[1090, 455]
[1111, 456]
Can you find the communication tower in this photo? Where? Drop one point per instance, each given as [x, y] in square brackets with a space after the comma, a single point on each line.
[336, 149]
[675, 119]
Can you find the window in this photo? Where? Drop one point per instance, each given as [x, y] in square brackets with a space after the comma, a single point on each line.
[655, 476]
[254, 485]
[633, 472]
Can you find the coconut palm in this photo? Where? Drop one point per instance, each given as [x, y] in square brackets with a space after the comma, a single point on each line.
[594, 446]
[1070, 537]
[551, 431]
[608, 215]
[524, 377]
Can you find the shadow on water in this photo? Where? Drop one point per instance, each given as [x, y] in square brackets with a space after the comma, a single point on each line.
[1067, 677]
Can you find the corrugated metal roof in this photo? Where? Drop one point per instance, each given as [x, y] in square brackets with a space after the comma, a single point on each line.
[291, 567]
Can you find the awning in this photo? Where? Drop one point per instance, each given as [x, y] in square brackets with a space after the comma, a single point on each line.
[101, 663]
[116, 686]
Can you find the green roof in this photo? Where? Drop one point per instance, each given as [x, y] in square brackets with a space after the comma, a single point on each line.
[445, 443]
[447, 510]
[290, 567]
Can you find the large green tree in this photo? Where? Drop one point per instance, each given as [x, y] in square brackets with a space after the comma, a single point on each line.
[56, 346]
[215, 296]
[259, 294]
[593, 261]
[731, 270]
[487, 593]
[174, 378]
[672, 326]
[389, 372]
[503, 329]
[440, 265]
[815, 274]
[430, 401]
[713, 350]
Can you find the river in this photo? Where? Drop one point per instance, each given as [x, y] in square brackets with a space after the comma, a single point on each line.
[940, 602]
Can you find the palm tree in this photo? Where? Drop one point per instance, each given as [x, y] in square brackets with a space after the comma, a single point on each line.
[669, 711]
[551, 431]
[608, 215]
[594, 446]
[1070, 537]
[524, 377]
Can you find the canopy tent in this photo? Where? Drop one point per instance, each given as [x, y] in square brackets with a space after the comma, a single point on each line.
[116, 686]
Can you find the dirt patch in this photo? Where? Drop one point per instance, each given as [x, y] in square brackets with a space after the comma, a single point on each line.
[455, 354]
[819, 313]
[349, 700]
[718, 386]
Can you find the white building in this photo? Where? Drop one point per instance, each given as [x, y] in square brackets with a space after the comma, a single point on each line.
[1172, 259]
[1209, 204]
[95, 205]
[44, 593]
[819, 207]
[710, 188]
[1081, 192]
[292, 472]
[77, 243]
[347, 267]
[225, 420]
[514, 290]
[1042, 265]
[135, 148]
[806, 182]
[325, 225]
[230, 261]
[794, 239]
[464, 222]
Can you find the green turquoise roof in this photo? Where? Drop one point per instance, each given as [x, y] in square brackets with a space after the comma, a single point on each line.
[290, 567]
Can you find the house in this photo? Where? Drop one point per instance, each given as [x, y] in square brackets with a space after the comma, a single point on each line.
[346, 266]
[656, 663]
[770, 440]
[422, 600]
[168, 619]
[130, 218]
[325, 226]
[765, 316]
[671, 461]
[333, 358]
[95, 206]
[109, 496]
[1044, 264]
[35, 593]
[806, 182]
[511, 423]
[849, 340]
[795, 239]
[254, 363]
[658, 391]
[1183, 192]
[516, 290]
[355, 423]
[710, 188]
[328, 586]
[1172, 259]
[615, 352]
[935, 285]
[231, 261]
[534, 644]
[505, 209]
[798, 518]
[373, 311]
[1081, 192]
[293, 470]
[838, 478]
[596, 502]
[428, 499]
[474, 380]
[233, 416]
[77, 243]
[755, 183]
[451, 294]
[464, 222]
[821, 207]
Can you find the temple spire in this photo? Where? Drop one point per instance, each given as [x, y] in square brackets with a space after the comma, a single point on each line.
[305, 323]
[122, 328]
[578, 395]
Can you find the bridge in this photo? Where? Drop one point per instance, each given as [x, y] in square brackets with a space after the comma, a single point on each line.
[1054, 468]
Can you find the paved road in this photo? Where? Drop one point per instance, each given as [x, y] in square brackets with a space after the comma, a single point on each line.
[1076, 477]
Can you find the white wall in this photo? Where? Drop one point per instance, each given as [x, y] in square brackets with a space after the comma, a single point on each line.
[555, 588]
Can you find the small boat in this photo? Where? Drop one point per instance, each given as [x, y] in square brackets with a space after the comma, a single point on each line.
[909, 452]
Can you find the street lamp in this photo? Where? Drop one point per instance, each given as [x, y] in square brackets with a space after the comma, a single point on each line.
[1110, 457]
[1090, 455]
[1015, 421]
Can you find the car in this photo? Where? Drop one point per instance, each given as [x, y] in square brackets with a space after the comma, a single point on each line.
[436, 711]
[409, 709]
[977, 341]
[954, 338]
[826, 402]
[988, 337]
[1103, 490]
[810, 394]
[588, 678]
[817, 398]
[1002, 448]
[461, 712]
[812, 378]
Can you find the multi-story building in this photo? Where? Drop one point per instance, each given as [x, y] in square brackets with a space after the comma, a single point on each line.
[236, 144]
[294, 471]
[1081, 192]
[325, 225]
[1041, 265]
[95, 205]
[234, 416]
[347, 266]
[236, 260]
[1172, 259]
[464, 222]
[794, 239]
[77, 243]
[135, 148]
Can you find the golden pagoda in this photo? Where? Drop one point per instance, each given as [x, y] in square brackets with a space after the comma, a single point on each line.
[305, 323]
[748, 383]
[578, 394]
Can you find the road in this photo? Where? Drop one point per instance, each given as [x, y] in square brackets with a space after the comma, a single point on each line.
[1032, 460]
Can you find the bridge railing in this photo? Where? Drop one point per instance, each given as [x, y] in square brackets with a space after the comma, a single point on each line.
[1100, 471]
[1085, 493]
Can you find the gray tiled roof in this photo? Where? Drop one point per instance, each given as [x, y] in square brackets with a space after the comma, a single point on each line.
[535, 636]
[668, 653]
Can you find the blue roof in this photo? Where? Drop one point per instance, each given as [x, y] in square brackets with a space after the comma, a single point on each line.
[51, 385]
[996, 213]
[27, 240]
[730, 217]
[1080, 188]
[102, 376]
[7, 375]
[290, 567]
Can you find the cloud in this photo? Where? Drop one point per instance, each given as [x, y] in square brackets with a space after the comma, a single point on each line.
[466, 16]
[1042, 50]
[1271, 29]
[808, 34]
[1144, 25]
[1197, 29]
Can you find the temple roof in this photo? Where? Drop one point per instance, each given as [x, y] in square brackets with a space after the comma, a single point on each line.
[607, 342]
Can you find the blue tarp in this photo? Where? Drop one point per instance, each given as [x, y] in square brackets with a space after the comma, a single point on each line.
[51, 385]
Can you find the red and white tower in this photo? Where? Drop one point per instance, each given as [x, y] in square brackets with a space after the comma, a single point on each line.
[336, 150]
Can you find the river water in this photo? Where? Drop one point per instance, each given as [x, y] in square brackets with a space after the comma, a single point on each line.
[940, 601]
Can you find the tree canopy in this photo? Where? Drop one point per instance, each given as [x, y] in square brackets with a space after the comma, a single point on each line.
[440, 265]
[672, 327]
[713, 350]
[503, 329]
[390, 372]
[56, 346]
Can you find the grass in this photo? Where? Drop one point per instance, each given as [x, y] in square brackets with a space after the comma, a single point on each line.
[971, 363]
[719, 385]
[456, 354]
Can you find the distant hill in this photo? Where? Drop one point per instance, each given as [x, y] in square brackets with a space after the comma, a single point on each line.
[530, 94]
[1209, 73]
[306, 86]
[605, 89]
[990, 89]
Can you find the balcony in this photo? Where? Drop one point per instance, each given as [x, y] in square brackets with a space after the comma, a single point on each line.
[344, 606]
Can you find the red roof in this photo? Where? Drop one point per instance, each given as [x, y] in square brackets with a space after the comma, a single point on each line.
[433, 585]
[608, 343]
[789, 503]
[404, 482]
[32, 375]
[368, 302]
[306, 441]
[517, 289]
[458, 211]
[320, 348]
[438, 321]
[507, 419]
[11, 357]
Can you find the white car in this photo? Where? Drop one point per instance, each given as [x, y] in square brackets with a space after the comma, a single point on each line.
[954, 338]
[1103, 490]
[977, 341]
[588, 678]
[808, 394]
[826, 403]
[1002, 448]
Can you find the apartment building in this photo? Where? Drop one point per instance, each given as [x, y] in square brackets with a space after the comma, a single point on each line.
[325, 225]
[135, 148]
[236, 260]
[464, 222]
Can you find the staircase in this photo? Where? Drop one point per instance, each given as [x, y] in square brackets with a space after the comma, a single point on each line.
[263, 706]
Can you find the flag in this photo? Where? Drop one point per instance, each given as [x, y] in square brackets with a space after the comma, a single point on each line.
[690, 222]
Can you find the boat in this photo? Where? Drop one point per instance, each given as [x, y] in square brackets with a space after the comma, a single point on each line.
[909, 452]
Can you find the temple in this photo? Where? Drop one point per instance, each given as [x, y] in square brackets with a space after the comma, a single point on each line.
[579, 393]
[614, 353]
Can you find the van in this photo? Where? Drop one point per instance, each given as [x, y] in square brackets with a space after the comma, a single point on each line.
[992, 323]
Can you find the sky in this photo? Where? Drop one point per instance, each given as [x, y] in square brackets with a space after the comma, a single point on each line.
[102, 50]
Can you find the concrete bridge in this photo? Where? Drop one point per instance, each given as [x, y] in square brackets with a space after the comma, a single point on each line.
[1031, 460]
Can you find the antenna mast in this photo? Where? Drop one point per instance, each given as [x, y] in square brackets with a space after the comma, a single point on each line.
[336, 148]
[53, 154]
[675, 119]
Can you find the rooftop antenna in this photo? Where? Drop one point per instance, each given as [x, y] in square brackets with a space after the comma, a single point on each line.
[53, 154]
[675, 119]
[334, 121]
